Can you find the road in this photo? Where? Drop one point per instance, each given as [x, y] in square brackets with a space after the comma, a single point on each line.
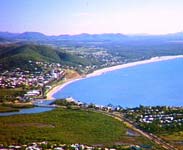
[150, 136]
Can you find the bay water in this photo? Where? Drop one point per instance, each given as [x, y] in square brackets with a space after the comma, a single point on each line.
[158, 83]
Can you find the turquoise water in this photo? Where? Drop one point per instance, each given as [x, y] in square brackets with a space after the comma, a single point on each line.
[159, 83]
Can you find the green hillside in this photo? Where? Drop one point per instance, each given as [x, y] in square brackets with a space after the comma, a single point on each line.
[19, 55]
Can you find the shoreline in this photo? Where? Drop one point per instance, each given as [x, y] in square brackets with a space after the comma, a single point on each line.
[99, 72]
[55, 89]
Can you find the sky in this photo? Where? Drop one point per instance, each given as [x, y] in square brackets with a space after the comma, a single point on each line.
[56, 17]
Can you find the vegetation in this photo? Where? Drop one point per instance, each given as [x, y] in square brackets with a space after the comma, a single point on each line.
[78, 51]
[10, 94]
[13, 106]
[83, 53]
[156, 119]
[63, 126]
[18, 56]
[174, 138]
[135, 52]
[67, 126]
[18, 105]
[4, 109]
[164, 122]
[64, 102]
[156, 127]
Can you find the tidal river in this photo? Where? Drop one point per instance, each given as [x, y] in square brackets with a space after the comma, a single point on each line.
[30, 110]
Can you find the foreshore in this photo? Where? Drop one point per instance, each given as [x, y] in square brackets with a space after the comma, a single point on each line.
[50, 94]
[109, 69]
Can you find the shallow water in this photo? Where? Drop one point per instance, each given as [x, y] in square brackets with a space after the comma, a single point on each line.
[30, 110]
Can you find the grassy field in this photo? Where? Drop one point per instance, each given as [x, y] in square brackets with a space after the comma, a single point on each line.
[67, 126]
[63, 126]
[7, 109]
[175, 139]
[10, 94]
[11, 107]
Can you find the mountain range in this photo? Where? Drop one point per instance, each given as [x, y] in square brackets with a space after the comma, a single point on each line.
[16, 49]
[37, 36]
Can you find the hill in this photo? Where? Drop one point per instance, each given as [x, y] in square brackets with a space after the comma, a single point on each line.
[13, 56]
[79, 51]
[37, 36]
[31, 36]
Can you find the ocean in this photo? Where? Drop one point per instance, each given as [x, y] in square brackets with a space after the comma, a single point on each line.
[158, 83]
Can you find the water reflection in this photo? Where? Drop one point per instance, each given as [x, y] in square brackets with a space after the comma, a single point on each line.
[31, 110]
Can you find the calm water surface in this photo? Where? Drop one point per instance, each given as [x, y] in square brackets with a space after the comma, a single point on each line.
[159, 83]
[30, 110]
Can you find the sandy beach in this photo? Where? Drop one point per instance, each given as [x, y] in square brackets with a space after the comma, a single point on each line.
[109, 69]
[50, 94]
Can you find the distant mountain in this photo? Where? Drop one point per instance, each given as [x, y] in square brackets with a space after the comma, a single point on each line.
[93, 37]
[8, 35]
[3, 40]
[178, 35]
[36, 36]
[109, 37]
[23, 36]
[31, 36]
[18, 56]
[175, 36]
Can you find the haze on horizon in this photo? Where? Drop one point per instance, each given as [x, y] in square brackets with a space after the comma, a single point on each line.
[55, 17]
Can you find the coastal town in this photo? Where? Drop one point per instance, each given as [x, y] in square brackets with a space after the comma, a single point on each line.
[33, 81]
[100, 55]
[39, 78]
[91, 75]
[41, 74]
[156, 118]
